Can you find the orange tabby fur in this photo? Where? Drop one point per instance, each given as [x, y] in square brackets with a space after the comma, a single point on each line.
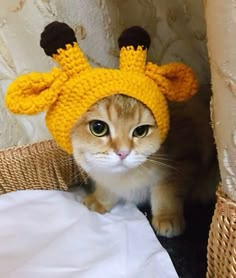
[166, 175]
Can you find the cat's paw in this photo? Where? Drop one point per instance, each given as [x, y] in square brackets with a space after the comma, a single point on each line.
[93, 204]
[168, 225]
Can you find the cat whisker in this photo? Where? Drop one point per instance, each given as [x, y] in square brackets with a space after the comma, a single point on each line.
[67, 158]
[78, 173]
[160, 154]
[79, 178]
[161, 159]
[142, 168]
[166, 157]
[158, 162]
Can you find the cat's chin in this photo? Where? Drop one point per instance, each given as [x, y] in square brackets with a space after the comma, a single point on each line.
[120, 168]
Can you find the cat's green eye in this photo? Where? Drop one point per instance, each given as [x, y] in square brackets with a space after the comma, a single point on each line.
[141, 131]
[98, 128]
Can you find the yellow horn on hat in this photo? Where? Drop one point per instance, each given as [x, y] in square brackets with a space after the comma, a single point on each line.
[58, 41]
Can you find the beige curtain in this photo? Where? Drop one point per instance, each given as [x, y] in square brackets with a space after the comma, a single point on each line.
[221, 32]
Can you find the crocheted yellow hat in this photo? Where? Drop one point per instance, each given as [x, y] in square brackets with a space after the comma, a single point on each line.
[68, 91]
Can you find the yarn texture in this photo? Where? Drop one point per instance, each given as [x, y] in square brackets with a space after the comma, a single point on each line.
[70, 90]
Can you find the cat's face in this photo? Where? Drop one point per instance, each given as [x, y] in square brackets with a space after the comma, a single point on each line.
[115, 135]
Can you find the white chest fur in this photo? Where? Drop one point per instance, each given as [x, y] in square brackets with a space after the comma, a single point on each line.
[133, 186]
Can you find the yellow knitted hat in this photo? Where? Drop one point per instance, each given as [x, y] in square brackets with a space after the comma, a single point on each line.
[68, 92]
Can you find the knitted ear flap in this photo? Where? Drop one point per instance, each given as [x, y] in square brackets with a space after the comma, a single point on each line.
[30, 93]
[175, 80]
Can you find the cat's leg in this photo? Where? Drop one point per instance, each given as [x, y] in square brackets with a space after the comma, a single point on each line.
[101, 200]
[167, 210]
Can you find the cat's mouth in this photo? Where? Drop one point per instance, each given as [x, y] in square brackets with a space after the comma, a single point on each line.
[122, 166]
[119, 167]
[106, 164]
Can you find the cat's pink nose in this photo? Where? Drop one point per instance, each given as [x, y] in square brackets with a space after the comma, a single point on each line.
[123, 154]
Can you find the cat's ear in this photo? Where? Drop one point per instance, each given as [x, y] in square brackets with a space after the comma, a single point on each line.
[32, 93]
[176, 80]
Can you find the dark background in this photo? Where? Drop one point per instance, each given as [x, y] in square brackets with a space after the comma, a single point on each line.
[188, 252]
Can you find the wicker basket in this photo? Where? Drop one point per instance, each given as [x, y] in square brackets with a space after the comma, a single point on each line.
[221, 255]
[37, 166]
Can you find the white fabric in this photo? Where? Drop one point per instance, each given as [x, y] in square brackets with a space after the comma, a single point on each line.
[50, 234]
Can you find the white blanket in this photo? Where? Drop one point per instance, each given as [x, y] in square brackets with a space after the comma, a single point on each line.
[50, 234]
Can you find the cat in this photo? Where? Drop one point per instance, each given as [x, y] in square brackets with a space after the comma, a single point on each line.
[117, 143]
